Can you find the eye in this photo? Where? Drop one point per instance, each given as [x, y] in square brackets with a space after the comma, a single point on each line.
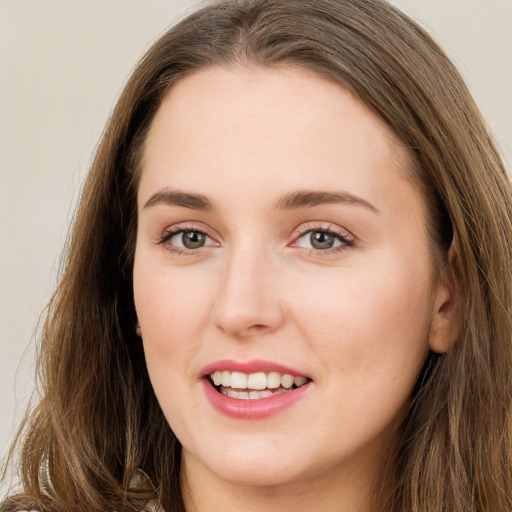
[180, 240]
[190, 240]
[323, 240]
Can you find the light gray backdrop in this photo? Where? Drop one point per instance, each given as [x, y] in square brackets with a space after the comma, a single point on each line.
[62, 65]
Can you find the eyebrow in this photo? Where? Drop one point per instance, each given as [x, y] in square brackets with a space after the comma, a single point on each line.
[308, 199]
[176, 198]
[293, 201]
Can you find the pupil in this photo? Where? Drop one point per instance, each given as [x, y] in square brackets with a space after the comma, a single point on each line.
[321, 240]
[193, 239]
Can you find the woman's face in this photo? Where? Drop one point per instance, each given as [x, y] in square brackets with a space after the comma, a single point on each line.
[278, 236]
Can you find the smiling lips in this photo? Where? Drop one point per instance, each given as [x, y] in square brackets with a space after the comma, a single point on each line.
[252, 390]
[254, 386]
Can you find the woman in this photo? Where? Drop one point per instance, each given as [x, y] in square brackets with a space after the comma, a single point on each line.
[289, 281]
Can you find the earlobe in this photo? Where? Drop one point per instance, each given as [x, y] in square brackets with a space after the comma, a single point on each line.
[447, 317]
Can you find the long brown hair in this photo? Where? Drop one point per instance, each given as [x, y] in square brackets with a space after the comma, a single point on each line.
[98, 420]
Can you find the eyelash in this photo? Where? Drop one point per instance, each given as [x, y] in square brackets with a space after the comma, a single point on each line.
[180, 228]
[343, 236]
[347, 241]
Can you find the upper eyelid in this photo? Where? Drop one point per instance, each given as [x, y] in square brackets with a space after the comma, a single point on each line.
[322, 226]
[188, 226]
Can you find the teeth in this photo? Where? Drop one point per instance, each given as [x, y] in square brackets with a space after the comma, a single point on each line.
[251, 395]
[238, 380]
[273, 380]
[287, 381]
[231, 393]
[256, 381]
[299, 381]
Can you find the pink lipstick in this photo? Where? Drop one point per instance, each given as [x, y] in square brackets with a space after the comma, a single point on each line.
[253, 389]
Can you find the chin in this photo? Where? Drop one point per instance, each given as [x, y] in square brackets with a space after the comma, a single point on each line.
[257, 475]
[266, 466]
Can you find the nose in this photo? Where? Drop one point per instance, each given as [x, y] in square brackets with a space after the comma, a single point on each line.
[248, 301]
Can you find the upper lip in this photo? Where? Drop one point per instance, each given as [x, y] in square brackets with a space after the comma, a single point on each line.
[252, 366]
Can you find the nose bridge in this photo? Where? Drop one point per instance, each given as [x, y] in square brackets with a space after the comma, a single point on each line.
[248, 299]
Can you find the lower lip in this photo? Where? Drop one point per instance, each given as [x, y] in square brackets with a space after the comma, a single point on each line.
[253, 409]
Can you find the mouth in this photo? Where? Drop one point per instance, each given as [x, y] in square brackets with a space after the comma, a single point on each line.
[255, 389]
[254, 386]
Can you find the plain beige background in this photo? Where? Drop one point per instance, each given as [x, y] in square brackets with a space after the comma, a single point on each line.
[62, 65]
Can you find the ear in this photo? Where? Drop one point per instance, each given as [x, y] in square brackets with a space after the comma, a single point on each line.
[446, 314]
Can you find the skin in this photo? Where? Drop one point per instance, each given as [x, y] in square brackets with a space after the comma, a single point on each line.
[357, 319]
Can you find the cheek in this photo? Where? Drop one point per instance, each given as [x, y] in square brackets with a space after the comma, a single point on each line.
[368, 317]
[169, 297]
[172, 307]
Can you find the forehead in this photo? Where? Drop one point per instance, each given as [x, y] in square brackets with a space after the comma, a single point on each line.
[256, 129]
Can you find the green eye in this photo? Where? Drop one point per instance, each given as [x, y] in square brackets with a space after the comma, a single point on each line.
[321, 240]
[189, 239]
[193, 239]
